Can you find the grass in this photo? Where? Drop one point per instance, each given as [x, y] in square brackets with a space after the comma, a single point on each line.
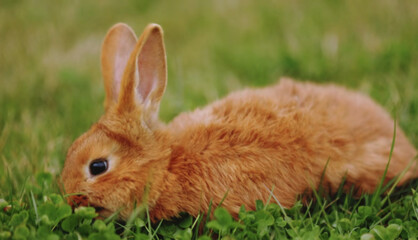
[51, 91]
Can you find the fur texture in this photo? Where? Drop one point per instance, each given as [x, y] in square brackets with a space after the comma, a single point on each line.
[255, 140]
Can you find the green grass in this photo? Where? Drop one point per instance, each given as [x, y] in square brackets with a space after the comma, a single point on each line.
[51, 92]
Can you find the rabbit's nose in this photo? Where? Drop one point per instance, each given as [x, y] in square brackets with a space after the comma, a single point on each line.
[78, 200]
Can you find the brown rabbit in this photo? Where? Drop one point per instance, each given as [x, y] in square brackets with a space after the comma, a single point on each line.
[280, 137]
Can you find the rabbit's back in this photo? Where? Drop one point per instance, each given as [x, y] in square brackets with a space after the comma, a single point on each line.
[282, 136]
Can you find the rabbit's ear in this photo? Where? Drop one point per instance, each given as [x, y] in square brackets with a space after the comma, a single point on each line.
[145, 76]
[117, 48]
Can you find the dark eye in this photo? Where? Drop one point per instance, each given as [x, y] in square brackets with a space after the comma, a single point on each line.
[98, 166]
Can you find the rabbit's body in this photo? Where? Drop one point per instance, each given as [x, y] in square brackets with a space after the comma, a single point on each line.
[279, 138]
[244, 146]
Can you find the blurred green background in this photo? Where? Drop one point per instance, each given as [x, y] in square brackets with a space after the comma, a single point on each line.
[50, 80]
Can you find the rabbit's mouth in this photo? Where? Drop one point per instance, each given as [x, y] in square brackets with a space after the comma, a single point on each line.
[99, 209]
[103, 212]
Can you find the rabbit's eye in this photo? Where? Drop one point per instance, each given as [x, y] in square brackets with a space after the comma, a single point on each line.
[98, 166]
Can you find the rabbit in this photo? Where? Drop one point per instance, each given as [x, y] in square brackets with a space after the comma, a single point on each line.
[280, 140]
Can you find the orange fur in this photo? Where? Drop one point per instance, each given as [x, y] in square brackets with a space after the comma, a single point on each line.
[244, 145]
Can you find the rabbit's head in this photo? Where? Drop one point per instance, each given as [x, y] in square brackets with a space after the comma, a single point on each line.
[110, 166]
